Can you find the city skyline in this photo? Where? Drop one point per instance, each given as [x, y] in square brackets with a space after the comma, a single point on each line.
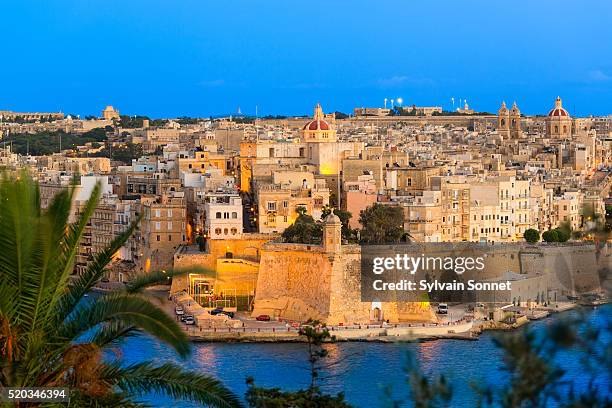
[153, 60]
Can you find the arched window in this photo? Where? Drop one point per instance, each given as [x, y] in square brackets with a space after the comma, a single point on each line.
[218, 215]
[556, 129]
[234, 215]
[234, 231]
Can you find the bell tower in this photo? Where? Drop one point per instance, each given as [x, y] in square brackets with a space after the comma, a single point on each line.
[515, 122]
[503, 121]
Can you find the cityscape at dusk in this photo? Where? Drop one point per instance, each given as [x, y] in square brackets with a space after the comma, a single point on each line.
[306, 204]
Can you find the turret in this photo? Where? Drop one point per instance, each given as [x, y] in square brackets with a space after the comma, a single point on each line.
[332, 234]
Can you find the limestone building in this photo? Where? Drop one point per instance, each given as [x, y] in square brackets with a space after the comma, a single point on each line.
[110, 113]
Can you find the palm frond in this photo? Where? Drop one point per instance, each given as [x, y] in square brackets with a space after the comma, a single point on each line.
[112, 333]
[171, 380]
[75, 233]
[144, 280]
[18, 208]
[71, 243]
[78, 287]
[131, 310]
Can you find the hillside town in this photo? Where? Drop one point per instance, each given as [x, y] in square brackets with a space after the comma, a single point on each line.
[275, 207]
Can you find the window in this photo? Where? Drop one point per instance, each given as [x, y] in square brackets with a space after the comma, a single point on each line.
[157, 213]
[218, 215]
[158, 226]
[224, 231]
[285, 204]
[169, 213]
[234, 215]
[234, 231]
[271, 205]
[169, 237]
[218, 231]
[158, 238]
[226, 215]
[170, 225]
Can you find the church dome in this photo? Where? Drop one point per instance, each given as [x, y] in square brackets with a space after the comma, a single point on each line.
[558, 110]
[317, 124]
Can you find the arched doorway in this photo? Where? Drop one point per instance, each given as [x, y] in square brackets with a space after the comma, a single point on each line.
[376, 314]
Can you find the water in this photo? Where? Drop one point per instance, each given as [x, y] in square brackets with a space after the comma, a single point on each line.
[361, 370]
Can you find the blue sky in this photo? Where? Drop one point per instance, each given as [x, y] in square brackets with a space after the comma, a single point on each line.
[198, 57]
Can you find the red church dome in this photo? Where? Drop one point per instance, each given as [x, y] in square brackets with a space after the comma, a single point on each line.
[558, 110]
[317, 124]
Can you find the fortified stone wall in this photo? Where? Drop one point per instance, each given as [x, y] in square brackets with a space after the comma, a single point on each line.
[294, 282]
[345, 292]
[573, 269]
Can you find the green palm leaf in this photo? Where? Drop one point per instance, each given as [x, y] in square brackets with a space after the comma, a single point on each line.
[92, 275]
[172, 380]
[131, 309]
[51, 336]
[144, 280]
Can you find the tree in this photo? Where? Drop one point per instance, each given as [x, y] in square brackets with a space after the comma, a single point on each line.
[532, 235]
[345, 216]
[316, 334]
[534, 378]
[48, 142]
[304, 230]
[564, 231]
[382, 224]
[51, 336]
[551, 236]
[201, 241]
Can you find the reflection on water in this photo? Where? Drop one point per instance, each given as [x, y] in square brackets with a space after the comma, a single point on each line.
[361, 370]
[428, 350]
[205, 356]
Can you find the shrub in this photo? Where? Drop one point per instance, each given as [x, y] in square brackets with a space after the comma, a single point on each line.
[532, 235]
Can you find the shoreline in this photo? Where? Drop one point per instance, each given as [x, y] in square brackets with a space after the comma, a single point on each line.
[416, 332]
[375, 335]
